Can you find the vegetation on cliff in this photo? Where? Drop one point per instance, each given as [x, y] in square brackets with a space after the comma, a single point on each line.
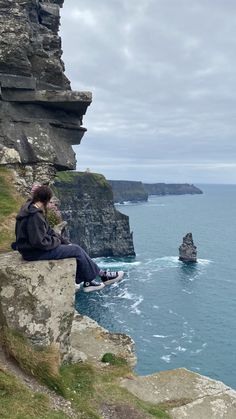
[10, 202]
[83, 182]
[90, 389]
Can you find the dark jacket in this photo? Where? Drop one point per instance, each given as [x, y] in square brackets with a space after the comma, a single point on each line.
[33, 231]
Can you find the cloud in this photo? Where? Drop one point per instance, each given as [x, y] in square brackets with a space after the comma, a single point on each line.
[162, 75]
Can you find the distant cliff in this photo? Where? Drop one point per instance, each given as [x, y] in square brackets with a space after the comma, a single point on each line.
[125, 190]
[93, 222]
[171, 189]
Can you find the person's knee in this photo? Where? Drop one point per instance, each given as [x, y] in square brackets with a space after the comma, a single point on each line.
[77, 250]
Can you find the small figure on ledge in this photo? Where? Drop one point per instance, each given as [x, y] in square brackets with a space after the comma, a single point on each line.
[187, 250]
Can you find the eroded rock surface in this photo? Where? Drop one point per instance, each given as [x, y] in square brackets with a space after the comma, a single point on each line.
[189, 395]
[40, 117]
[37, 299]
[93, 341]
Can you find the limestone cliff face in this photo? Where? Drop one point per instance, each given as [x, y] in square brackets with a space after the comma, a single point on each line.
[171, 189]
[40, 117]
[125, 190]
[93, 222]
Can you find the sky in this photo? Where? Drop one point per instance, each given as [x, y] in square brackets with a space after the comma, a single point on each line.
[163, 78]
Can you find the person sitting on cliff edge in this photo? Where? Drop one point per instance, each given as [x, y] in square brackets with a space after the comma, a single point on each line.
[36, 240]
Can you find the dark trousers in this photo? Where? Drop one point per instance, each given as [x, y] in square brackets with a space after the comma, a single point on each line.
[86, 270]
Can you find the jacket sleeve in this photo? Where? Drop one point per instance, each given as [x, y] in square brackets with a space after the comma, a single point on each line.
[63, 240]
[38, 233]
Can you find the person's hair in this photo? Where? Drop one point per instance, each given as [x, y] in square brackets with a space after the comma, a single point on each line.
[42, 194]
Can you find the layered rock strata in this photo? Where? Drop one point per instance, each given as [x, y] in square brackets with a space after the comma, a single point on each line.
[40, 117]
[125, 190]
[93, 221]
[187, 250]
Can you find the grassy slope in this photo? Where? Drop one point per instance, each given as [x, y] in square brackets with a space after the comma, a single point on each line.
[89, 388]
[10, 202]
[17, 402]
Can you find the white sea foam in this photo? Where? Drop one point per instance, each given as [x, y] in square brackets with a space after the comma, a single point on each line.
[126, 295]
[204, 261]
[161, 336]
[181, 349]
[134, 306]
[173, 312]
[166, 358]
[108, 305]
[187, 292]
[119, 264]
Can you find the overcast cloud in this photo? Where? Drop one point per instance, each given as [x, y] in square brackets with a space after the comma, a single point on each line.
[163, 77]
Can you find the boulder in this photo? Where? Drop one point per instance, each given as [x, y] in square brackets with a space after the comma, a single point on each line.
[187, 250]
[37, 299]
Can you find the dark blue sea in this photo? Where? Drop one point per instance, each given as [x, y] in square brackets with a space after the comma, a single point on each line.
[179, 315]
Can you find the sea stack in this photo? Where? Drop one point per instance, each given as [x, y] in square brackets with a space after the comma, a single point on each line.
[187, 250]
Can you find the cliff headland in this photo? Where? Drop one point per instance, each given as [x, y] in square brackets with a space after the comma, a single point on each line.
[125, 190]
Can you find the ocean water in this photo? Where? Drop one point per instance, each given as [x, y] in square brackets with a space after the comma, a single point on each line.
[179, 315]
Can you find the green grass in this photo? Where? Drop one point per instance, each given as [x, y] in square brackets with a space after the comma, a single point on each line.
[18, 402]
[8, 203]
[114, 360]
[87, 177]
[43, 364]
[89, 387]
[86, 386]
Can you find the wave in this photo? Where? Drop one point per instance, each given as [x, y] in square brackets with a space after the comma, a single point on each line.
[204, 261]
[164, 262]
[166, 358]
[161, 336]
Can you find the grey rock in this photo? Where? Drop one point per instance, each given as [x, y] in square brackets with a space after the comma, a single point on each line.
[40, 117]
[93, 221]
[37, 299]
[88, 337]
[186, 394]
[187, 250]
[125, 190]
